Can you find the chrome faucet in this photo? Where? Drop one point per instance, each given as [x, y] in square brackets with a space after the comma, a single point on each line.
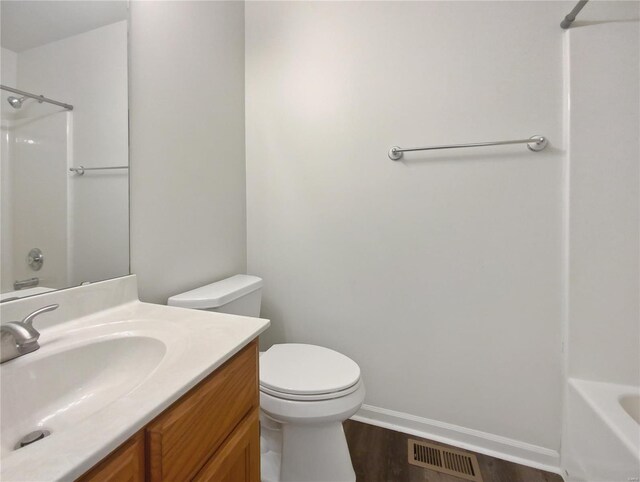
[18, 338]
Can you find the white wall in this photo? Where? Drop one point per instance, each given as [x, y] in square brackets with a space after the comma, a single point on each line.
[604, 268]
[187, 145]
[8, 76]
[9, 72]
[444, 276]
[440, 275]
[89, 71]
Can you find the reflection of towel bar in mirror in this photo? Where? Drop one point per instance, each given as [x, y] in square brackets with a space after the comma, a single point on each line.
[81, 169]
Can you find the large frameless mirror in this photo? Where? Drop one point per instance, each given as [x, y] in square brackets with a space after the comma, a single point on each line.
[64, 179]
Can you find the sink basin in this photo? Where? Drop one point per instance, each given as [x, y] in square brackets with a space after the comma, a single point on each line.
[56, 389]
[108, 364]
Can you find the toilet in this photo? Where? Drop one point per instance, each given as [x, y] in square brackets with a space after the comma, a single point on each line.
[306, 392]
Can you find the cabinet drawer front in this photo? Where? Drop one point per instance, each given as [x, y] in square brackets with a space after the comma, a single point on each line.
[126, 464]
[238, 460]
[183, 438]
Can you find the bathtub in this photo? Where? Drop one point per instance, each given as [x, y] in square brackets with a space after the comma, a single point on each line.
[38, 290]
[601, 440]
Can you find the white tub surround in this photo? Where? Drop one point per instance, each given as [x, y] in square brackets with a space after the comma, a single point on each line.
[602, 440]
[130, 360]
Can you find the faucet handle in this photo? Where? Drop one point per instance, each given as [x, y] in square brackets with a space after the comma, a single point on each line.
[28, 320]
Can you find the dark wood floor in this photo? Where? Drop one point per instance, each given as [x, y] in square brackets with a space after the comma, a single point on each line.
[380, 455]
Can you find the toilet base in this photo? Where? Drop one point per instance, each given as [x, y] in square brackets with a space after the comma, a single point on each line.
[304, 453]
[270, 466]
[270, 449]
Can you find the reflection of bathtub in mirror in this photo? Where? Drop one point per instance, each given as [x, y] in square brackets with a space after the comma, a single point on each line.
[602, 440]
[12, 295]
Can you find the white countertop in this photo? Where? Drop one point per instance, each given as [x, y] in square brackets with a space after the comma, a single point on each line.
[196, 342]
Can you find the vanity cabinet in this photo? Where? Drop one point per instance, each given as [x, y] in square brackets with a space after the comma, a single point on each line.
[125, 464]
[238, 459]
[209, 434]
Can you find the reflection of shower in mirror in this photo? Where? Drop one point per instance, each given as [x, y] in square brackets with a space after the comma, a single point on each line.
[15, 102]
[60, 108]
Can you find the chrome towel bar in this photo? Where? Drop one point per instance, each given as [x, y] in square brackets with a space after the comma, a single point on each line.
[80, 169]
[534, 143]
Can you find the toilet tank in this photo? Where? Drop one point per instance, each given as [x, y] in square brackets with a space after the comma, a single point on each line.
[239, 295]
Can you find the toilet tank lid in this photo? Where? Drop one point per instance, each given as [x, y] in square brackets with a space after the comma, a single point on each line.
[217, 294]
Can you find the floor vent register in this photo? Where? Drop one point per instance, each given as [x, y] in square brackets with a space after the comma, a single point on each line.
[447, 461]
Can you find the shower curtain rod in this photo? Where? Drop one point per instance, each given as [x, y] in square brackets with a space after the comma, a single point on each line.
[39, 98]
[571, 16]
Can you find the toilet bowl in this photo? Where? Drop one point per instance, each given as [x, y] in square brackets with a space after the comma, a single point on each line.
[306, 393]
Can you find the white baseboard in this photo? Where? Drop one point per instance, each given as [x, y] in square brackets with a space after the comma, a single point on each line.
[482, 442]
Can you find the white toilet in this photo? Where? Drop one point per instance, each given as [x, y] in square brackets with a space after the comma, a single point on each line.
[306, 392]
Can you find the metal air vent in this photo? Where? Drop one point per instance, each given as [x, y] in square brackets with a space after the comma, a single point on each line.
[444, 460]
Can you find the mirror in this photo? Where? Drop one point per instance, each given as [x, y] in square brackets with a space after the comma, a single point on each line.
[64, 179]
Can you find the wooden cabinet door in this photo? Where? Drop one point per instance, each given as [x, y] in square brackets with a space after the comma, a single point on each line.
[238, 460]
[126, 464]
[184, 437]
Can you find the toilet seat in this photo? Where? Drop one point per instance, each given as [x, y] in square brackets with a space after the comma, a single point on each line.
[312, 412]
[313, 397]
[296, 371]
